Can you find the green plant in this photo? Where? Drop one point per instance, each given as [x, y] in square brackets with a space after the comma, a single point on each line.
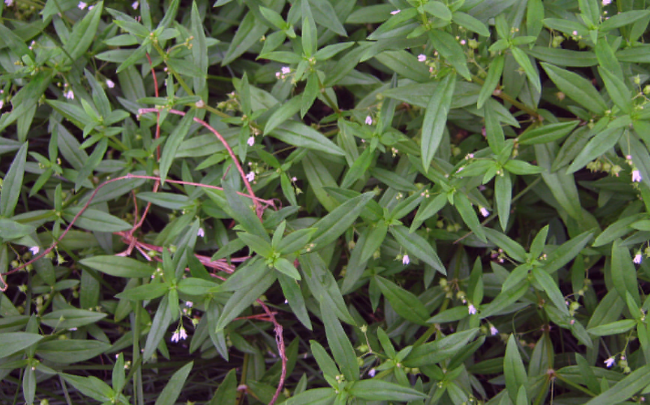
[325, 202]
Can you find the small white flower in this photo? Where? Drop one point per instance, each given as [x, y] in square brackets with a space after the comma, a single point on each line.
[189, 304]
[371, 372]
[575, 33]
[135, 5]
[637, 258]
[636, 176]
[285, 70]
[463, 42]
[484, 211]
[607, 2]
[2, 104]
[294, 179]
[493, 330]
[34, 250]
[609, 362]
[277, 75]
[472, 309]
[251, 141]
[422, 57]
[176, 336]
[250, 176]
[200, 233]
[110, 83]
[9, 3]
[395, 12]
[68, 94]
[90, 8]
[368, 120]
[183, 334]
[406, 260]
[82, 5]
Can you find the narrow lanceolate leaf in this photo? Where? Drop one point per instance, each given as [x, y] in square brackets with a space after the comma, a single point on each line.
[439, 350]
[243, 298]
[624, 389]
[524, 61]
[12, 183]
[379, 390]
[331, 226]
[576, 88]
[173, 142]
[418, 247]
[492, 80]
[13, 342]
[617, 90]
[298, 134]
[513, 368]
[173, 388]
[435, 118]
[118, 266]
[623, 272]
[83, 33]
[338, 341]
[404, 302]
[547, 133]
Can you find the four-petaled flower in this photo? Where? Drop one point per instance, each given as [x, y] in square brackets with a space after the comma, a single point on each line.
[82, 5]
[110, 83]
[250, 176]
[422, 57]
[636, 176]
[493, 330]
[200, 233]
[609, 362]
[406, 260]
[472, 309]
[34, 250]
[368, 120]
[484, 211]
[251, 141]
[637, 258]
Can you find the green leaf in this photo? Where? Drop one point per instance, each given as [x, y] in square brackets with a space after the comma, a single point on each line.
[144, 292]
[300, 135]
[435, 118]
[375, 235]
[257, 244]
[470, 23]
[464, 207]
[503, 196]
[418, 247]
[199, 49]
[547, 133]
[437, 9]
[13, 342]
[118, 266]
[13, 230]
[338, 341]
[576, 88]
[173, 142]
[618, 229]
[492, 80]
[282, 114]
[439, 350]
[71, 350]
[13, 182]
[90, 386]
[405, 303]
[248, 34]
[617, 90]
[242, 298]
[563, 57]
[524, 61]
[334, 224]
[293, 295]
[513, 368]
[622, 19]
[173, 388]
[83, 33]
[613, 328]
[624, 389]
[552, 290]
[159, 325]
[512, 248]
[379, 390]
[623, 273]
[227, 392]
[286, 267]
[71, 318]
[451, 50]
[324, 361]
[95, 220]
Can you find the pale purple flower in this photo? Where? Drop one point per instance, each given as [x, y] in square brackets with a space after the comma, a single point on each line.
[9, 3]
[68, 94]
[607, 2]
[636, 176]
[135, 5]
[493, 330]
[200, 233]
[395, 12]
[472, 309]
[110, 83]
[2, 104]
[251, 141]
[575, 33]
[609, 362]
[34, 250]
[176, 336]
[82, 5]
[484, 211]
[371, 372]
[285, 70]
[422, 57]
[189, 304]
[250, 176]
[368, 120]
[463, 42]
[179, 335]
[183, 333]
[637, 258]
[406, 260]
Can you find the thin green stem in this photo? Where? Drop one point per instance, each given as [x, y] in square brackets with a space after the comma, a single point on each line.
[506, 97]
[574, 385]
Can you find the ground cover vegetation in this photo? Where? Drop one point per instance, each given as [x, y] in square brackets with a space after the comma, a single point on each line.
[324, 202]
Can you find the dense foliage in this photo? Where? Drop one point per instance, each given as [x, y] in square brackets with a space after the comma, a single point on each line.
[324, 202]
